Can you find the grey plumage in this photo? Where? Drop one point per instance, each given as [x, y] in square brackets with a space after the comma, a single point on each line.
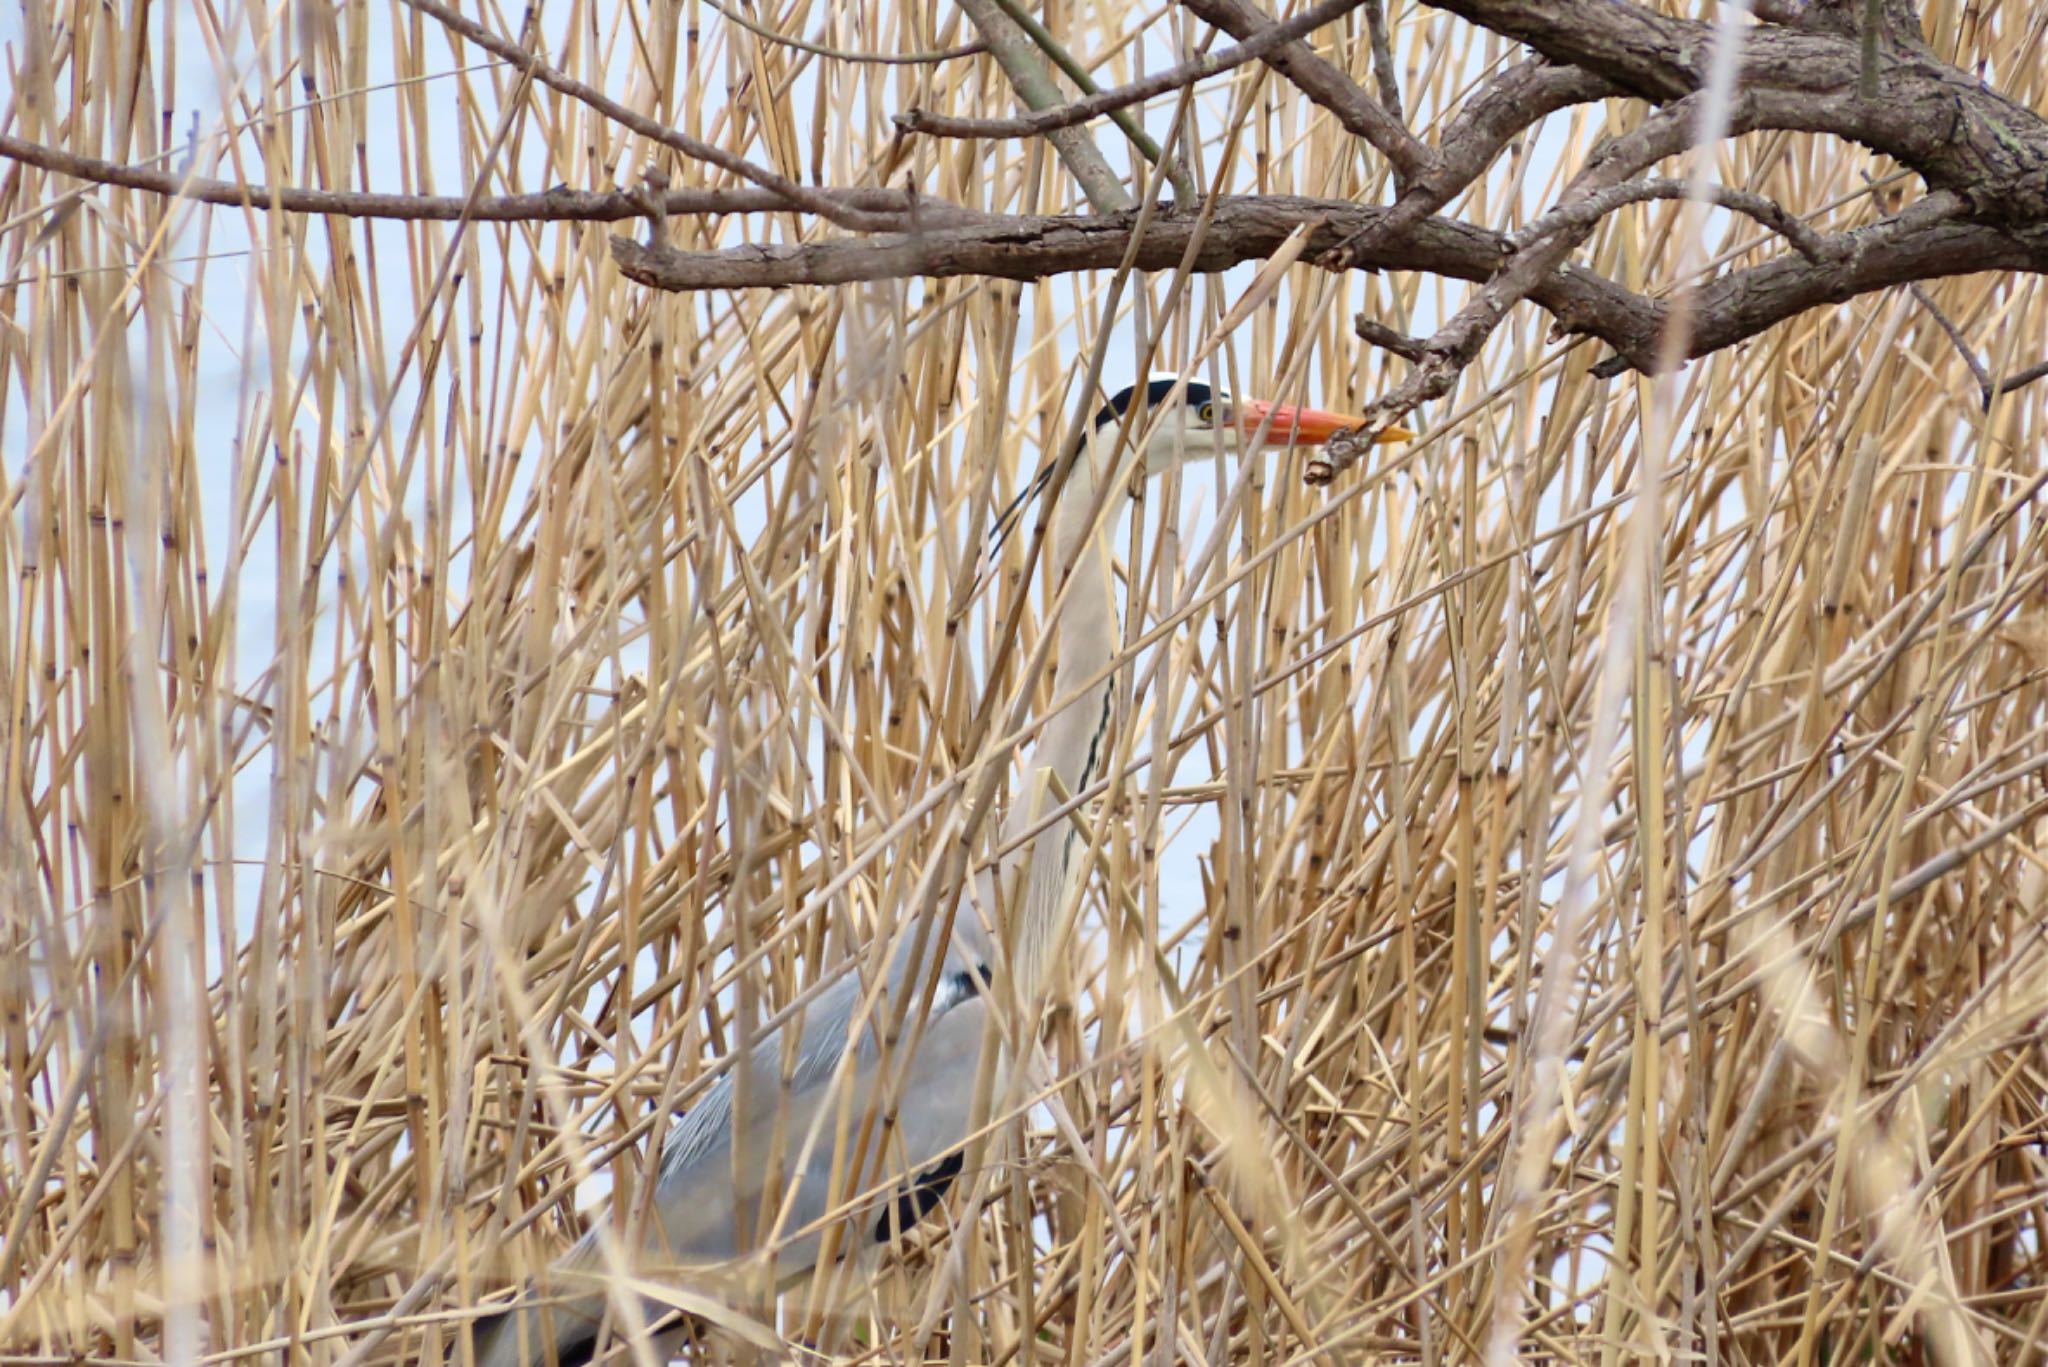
[714, 1164]
[697, 1207]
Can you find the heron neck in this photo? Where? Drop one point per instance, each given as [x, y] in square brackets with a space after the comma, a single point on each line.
[1087, 621]
[1069, 744]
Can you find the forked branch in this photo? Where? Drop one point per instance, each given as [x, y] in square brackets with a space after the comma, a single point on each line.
[1982, 157]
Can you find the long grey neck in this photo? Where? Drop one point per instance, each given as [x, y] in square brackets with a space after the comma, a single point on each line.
[1072, 742]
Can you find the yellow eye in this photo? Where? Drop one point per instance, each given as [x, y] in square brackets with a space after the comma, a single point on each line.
[1207, 413]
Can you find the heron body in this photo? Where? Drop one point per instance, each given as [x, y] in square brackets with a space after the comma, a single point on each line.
[769, 1153]
[695, 1218]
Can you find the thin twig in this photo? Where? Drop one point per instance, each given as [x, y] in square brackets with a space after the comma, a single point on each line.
[2020, 379]
[1387, 339]
[1805, 240]
[796, 196]
[1052, 47]
[1380, 34]
[1008, 43]
[885, 207]
[767, 34]
[1955, 335]
[1123, 96]
[1457, 342]
[1329, 87]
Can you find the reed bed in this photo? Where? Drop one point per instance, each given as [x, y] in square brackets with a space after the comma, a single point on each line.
[453, 694]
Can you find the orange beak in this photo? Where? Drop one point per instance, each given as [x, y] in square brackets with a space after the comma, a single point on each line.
[1293, 426]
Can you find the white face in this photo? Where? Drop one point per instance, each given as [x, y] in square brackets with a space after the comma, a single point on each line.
[1194, 423]
[1197, 421]
[1187, 424]
[1197, 431]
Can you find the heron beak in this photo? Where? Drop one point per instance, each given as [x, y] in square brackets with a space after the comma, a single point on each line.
[1293, 426]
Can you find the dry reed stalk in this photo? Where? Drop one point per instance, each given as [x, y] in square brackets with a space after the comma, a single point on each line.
[453, 698]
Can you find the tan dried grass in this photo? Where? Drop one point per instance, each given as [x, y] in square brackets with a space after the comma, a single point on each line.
[640, 702]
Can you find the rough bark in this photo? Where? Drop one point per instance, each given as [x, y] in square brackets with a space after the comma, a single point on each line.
[1981, 157]
[1727, 310]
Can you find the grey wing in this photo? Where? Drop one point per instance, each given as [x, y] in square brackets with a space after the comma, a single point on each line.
[707, 1126]
[700, 1190]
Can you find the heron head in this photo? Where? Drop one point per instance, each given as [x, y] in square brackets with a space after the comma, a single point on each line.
[1177, 423]
[1181, 423]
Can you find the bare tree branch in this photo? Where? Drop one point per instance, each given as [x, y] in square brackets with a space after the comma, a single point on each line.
[1026, 22]
[1356, 109]
[1380, 34]
[1918, 244]
[1955, 131]
[834, 54]
[1895, 252]
[1502, 110]
[795, 195]
[1034, 86]
[1456, 344]
[896, 208]
[1985, 157]
[1123, 96]
[1035, 247]
[1804, 239]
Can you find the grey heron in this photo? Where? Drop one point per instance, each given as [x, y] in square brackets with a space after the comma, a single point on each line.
[715, 1161]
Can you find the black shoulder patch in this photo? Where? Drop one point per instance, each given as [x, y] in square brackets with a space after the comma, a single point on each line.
[578, 1351]
[575, 1335]
[962, 986]
[919, 1197]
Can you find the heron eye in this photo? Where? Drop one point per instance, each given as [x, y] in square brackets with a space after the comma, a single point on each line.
[1207, 413]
